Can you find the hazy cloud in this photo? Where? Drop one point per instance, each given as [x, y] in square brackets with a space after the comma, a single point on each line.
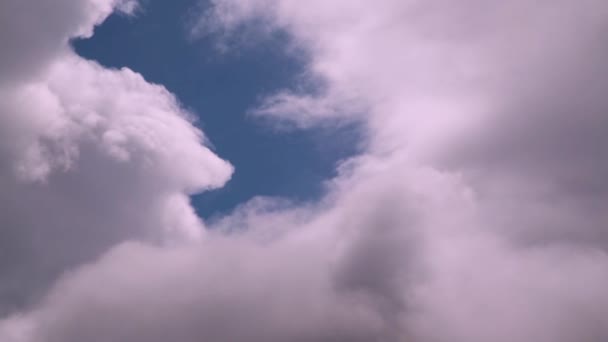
[476, 211]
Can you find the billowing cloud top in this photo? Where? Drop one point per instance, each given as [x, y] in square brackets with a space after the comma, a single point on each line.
[90, 156]
[476, 212]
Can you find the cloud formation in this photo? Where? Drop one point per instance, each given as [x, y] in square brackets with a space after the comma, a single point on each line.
[476, 212]
[90, 156]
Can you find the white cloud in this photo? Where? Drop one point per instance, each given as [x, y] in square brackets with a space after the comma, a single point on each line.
[508, 94]
[475, 213]
[89, 156]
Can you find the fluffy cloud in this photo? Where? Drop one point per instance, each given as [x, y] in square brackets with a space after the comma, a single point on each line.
[85, 152]
[509, 95]
[475, 213]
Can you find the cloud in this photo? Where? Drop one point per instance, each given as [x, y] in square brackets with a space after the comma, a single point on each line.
[89, 156]
[509, 95]
[474, 213]
[310, 277]
[375, 263]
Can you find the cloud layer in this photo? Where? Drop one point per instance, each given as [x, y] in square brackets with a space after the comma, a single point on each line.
[90, 157]
[476, 212]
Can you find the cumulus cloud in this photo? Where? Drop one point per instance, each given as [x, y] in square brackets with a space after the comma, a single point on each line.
[476, 211]
[508, 94]
[85, 151]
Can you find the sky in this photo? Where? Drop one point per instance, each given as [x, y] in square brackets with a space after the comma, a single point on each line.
[219, 87]
[280, 170]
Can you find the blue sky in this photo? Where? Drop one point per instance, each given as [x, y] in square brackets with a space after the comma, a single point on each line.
[221, 88]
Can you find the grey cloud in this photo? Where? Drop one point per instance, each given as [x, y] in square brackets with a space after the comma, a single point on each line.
[33, 32]
[546, 142]
[312, 281]
[346, 273]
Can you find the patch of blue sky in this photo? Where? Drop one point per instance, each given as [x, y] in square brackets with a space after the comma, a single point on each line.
[221, 88]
